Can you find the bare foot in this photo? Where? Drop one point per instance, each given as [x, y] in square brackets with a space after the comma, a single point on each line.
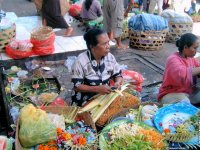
[69, 32]
[122, 46]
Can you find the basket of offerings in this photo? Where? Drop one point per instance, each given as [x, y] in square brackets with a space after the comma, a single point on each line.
[127, 134]
[42, 33]
[7, 34]
[147, 32]
[143, 113]
[179, 24]
[55, 128]
[178, 123]
[103, 107]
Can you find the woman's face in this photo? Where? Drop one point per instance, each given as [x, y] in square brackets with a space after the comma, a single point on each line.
[191, 51]
[103, 47]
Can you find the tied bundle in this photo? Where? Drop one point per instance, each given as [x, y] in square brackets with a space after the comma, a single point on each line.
[103, 107]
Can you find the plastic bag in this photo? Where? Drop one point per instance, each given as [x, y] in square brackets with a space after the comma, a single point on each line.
[14, 112]
[132, 77]
[57, 120]
[44, 47]
[35, 127]
[70, 62]
[74, 10]
[18, 54]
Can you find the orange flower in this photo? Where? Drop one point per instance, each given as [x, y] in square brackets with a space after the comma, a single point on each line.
[166, 131]
[10, 79]
[66, 136]
[59, 131]
[35, 86]
[82, 141]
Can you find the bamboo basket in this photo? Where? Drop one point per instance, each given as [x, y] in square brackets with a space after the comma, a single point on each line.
[178, 29]
[124, 34]
[196, 18]
[124, 112]
[42, 33]
[6, 36]
[147, 40]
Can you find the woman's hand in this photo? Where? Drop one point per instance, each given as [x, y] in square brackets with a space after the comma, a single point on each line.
[104, 89]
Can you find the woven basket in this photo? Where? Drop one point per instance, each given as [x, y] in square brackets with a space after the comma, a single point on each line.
[178, 29]
[124, 34]
[148, 40]
[196, 18]
[124, 112]
[6, 36]
[42, 33]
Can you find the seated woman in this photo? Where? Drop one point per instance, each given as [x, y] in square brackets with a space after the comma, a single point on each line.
[181, 73]
[51, 16]
[91, 12]
[94, 68]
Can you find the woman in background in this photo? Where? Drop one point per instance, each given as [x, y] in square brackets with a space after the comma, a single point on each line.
[91, 11]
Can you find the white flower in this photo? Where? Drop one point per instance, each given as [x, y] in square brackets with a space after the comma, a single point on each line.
[93, 83]
[94, 63]
[78, 96]
[73, 92]
[77, 84]
[85, 98]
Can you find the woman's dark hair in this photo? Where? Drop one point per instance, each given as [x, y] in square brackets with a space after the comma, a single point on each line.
[88, 3]
[90, 37]
[187, 39]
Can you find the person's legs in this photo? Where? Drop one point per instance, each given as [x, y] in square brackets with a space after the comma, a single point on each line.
[174, 98]
[140, 5]
[160, 5]
[107, 17]
[152, 6]
[117, 22]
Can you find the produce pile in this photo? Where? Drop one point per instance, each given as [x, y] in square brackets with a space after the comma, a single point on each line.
[125, 134]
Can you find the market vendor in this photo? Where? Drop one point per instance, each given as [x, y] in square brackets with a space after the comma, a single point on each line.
[94, 68]
[91, 11]
[181, 72]
[51, 16]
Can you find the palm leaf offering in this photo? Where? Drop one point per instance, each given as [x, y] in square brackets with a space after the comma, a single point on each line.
[178, 123]
[21, 88]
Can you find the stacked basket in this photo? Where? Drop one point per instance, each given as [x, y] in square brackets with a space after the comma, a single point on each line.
[147, 31]
[43, 40]
[179, 24]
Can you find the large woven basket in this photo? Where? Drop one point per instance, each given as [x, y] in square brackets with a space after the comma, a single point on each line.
[125, 34]
[6, 36]
[178, 29]
[126, 111]
[147, 40]
[42, 33]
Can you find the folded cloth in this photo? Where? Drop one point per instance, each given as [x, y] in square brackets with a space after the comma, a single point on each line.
[147, 22]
